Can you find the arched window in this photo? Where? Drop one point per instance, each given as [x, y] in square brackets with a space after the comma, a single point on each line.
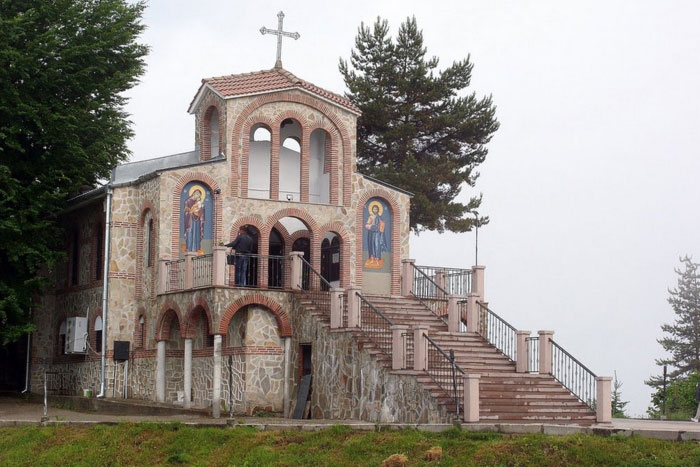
[214, 133]
[290, 160]
[98, 334]
[319, 167]
[149, 244]
[99, 250]
[259, 162]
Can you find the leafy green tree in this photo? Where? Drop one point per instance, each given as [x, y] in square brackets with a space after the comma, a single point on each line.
[680, 398]
[618, 405]
[419, 129]
[64, 65]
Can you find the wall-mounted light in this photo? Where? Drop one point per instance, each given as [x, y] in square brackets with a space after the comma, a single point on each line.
[217, 191]
[289, 197]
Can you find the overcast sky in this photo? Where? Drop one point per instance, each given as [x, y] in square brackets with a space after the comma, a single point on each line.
[591, 183]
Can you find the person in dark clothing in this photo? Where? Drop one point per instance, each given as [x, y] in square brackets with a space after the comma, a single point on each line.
[697, 398]
[243, 245]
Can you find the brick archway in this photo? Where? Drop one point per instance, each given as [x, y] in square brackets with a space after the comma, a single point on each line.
[283, 323]
[339, 229]
[205, 132]
[168, 311]
[395, 237]
[199, 305]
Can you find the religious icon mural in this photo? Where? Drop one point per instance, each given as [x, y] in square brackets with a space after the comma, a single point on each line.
[196, 219]
[376, 238]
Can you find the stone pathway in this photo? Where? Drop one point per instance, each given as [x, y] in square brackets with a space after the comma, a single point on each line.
[17, 412]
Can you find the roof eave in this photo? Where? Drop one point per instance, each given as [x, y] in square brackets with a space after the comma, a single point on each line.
[200, 94]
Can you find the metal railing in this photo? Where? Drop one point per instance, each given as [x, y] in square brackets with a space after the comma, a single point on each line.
[429, 293]
[317, 288]
[375, 325]
[497, 331]
[573, 375]
[533, 354]
[443, 369]
[457, 281]
[175, 273]
[408, 349]
[250, 271]
[202, 270]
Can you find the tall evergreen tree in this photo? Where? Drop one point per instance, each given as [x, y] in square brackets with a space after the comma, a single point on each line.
[64, 65]
[419, 129]
[618, 405]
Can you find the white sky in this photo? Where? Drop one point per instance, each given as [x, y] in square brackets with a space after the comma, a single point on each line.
[591, 182]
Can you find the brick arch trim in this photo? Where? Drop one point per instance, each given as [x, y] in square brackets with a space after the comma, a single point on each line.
[198, 306]
[240, 140]
[395, 237]
[138, 342]
[167, 312]
[300, 214]
[255, 221]
[146, 206]
[205, 131]
[176, 194]
[283, 323]
[241, 157]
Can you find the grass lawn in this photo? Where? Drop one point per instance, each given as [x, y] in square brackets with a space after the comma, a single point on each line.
[148, 444]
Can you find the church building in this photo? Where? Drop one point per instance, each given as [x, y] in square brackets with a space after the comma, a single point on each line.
[154, 303]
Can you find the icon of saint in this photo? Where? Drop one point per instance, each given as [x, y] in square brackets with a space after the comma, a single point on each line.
[195, 216]
[376, 239]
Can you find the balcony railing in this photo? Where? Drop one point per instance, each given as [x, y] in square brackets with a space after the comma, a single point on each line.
[175, 275]
[257, 271]
[454, 281]
[202, 270]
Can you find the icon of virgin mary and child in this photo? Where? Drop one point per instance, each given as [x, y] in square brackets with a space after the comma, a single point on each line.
[376, 238]
[195, 216]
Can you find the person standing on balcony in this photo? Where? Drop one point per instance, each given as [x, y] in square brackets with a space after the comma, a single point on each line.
[243, 246]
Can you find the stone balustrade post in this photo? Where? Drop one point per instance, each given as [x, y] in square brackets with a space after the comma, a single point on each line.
[522, 357]
[471, 398]
[603, 406]
[353, 308]
[189, 270]
[420, 347]
[188, 373]
[478, 281]
[162, 276]
[296, 269]
[453, 317]
[218, 266]
[337, 308]
[160, 371]
[441, 281]
[472, 313]
[216, 390]
[545, 346]
[407, 266]
[398, 346]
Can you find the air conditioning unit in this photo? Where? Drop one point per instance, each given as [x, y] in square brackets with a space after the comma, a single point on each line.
[76, 335]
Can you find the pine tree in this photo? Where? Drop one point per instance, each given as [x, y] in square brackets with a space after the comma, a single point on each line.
[64, 65]
[419, 130]
[618, 405]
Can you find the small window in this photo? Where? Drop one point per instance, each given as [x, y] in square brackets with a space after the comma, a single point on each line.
[149, 244]
[98, 334]
[62, 339]
[99, 247]
[214, 133]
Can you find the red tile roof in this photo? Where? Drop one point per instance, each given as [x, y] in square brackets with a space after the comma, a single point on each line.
[270, 80]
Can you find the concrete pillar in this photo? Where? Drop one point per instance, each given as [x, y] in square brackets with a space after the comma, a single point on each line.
[162, 276]
[420, 348]
[471, 398]
[522, 357]
[545, 346]
[296, 270]
[160, 371]
[218, 266]
[441, 282]
[407, 266]
[472, 313]
[188, 373]
[398, 346]
[603, 406]
[478, 281]
[337, 308]
[189, 270]
[453, 313]
[216, 390]
[353, 308]
[287, 371]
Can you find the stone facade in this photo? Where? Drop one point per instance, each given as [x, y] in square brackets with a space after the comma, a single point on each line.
[256, 325]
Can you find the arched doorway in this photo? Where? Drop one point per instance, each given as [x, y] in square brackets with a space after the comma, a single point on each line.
[276, 261]
[330, 258]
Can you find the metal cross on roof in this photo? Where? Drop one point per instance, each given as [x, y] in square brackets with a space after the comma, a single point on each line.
[279, 33]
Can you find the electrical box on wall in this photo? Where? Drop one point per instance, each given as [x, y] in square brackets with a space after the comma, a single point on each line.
[76, 335]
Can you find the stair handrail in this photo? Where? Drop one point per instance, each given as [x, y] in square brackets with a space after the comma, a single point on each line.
[457, 280]
[377, 330]
[439, 301]
[497, 331]
[320, 297]
[437, 365]
[574, 375]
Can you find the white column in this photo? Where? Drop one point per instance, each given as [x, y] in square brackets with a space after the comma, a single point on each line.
[420, 347]
[296, 269]
[188, 373]
[216, 390]
[407, 276]
[287, 370]
[603, 399]
[353, 308]
[453, 313]
[398, 346]
[545, 347]
[478, 281]
[471, 398]
[337, 308]
[160, 371]
[522, 357]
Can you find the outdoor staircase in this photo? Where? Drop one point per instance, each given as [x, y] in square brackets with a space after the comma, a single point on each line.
[505, 396]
